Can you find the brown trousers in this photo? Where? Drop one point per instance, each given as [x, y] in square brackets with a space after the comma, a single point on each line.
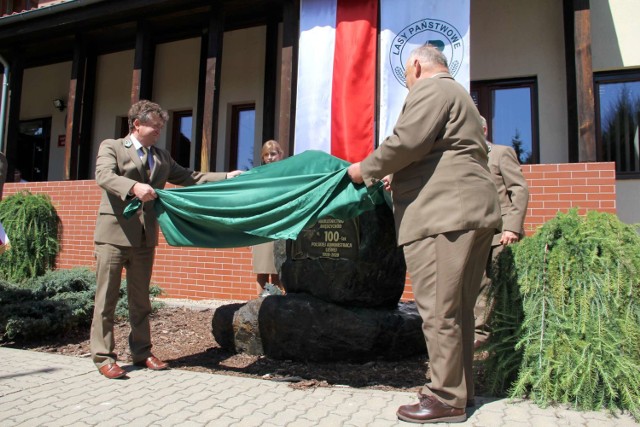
[445, 271]
[110, 260]
[484, 306]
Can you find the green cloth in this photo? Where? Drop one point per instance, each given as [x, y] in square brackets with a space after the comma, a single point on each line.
[269, 202]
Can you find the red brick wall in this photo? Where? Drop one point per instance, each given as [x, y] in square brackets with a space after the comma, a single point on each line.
[195, 273]
[559, 187]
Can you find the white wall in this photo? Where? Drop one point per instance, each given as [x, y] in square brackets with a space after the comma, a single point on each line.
[175, 81]
[113, 97]
[628, 200]
[615, 32]
[242, 81]
[40, 86]
[525, 38]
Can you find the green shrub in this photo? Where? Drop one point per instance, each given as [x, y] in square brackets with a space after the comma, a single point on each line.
[32, 224]
[50, 305]
[54, 304]
[568, 303]
[122, 309]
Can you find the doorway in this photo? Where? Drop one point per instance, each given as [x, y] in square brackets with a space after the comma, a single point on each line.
[32, 157]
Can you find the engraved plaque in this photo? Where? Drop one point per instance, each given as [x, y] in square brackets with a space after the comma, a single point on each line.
[328, 238]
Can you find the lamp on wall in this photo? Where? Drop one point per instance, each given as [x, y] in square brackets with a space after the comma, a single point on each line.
[59, 104]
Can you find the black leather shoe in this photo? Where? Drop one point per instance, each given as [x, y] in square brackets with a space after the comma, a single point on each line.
[431, 410]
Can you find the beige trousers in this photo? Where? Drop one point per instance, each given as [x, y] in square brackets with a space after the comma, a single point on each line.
[484, 306]
[138, 262]
[445, 271]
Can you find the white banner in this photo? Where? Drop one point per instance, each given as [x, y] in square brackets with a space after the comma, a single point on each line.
[408, 24]
[315, 75]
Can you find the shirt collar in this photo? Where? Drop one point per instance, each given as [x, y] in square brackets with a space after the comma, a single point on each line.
[135, 141]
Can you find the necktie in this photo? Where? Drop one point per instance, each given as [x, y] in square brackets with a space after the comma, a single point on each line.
[145, 160]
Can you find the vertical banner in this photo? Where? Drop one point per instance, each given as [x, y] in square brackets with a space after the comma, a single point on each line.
[335, 105]
[407, 24]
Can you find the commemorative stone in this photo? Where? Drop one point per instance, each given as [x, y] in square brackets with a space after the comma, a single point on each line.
[344, 280]
[354, 263]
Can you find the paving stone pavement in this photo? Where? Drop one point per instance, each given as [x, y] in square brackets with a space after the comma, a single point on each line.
[42, 389]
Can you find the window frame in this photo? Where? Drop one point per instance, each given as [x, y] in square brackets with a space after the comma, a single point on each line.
[484, 89]
[606, 77]
[234, 131]
[174, 143]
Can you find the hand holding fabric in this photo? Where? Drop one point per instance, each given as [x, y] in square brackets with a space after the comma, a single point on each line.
[269, 202]
[144, 192]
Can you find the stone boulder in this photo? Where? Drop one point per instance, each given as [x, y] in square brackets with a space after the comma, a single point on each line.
[373, 277]
[235, 327]
[302, 327]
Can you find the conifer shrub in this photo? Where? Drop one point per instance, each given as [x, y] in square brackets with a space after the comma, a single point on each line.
[46, 306]
[567, 317]
[32, 224]
[54, 304]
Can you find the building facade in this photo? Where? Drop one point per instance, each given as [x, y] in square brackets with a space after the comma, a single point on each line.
[558, 79]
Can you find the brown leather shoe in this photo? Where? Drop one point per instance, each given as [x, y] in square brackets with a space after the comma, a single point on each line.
[430, 410]
[112, 371]
[152, 363]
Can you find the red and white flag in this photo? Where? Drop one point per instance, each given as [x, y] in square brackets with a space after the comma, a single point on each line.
[336, 90]
[335, 107]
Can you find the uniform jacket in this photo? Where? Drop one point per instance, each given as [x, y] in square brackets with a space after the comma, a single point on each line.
[118, 168]
[513, 191]
[438, 159]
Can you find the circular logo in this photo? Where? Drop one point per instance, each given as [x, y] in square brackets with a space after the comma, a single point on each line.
[435, 32]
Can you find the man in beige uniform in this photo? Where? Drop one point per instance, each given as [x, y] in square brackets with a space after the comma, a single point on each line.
[126, 168]
[446, 212]
[513, 194]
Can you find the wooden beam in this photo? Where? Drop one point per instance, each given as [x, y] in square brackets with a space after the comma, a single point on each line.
[13, 116]
[584, 80]
[143, 63]
[570, 75]
[579, 74]
[210, 110]
[85, 142]
[199, 116]
[270, 83]
[74, 110]
[288, 67]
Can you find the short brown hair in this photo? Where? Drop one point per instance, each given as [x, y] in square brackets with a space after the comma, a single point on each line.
[143, 109]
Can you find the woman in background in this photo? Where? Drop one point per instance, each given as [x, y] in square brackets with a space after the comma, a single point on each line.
[263, 259]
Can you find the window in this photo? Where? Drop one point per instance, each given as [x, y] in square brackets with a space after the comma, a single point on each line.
[181, 126]
[511, 110]
[243, 130]
[618, 119]
[32, 157]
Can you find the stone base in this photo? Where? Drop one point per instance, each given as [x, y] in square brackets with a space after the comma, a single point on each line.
[302, 327]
